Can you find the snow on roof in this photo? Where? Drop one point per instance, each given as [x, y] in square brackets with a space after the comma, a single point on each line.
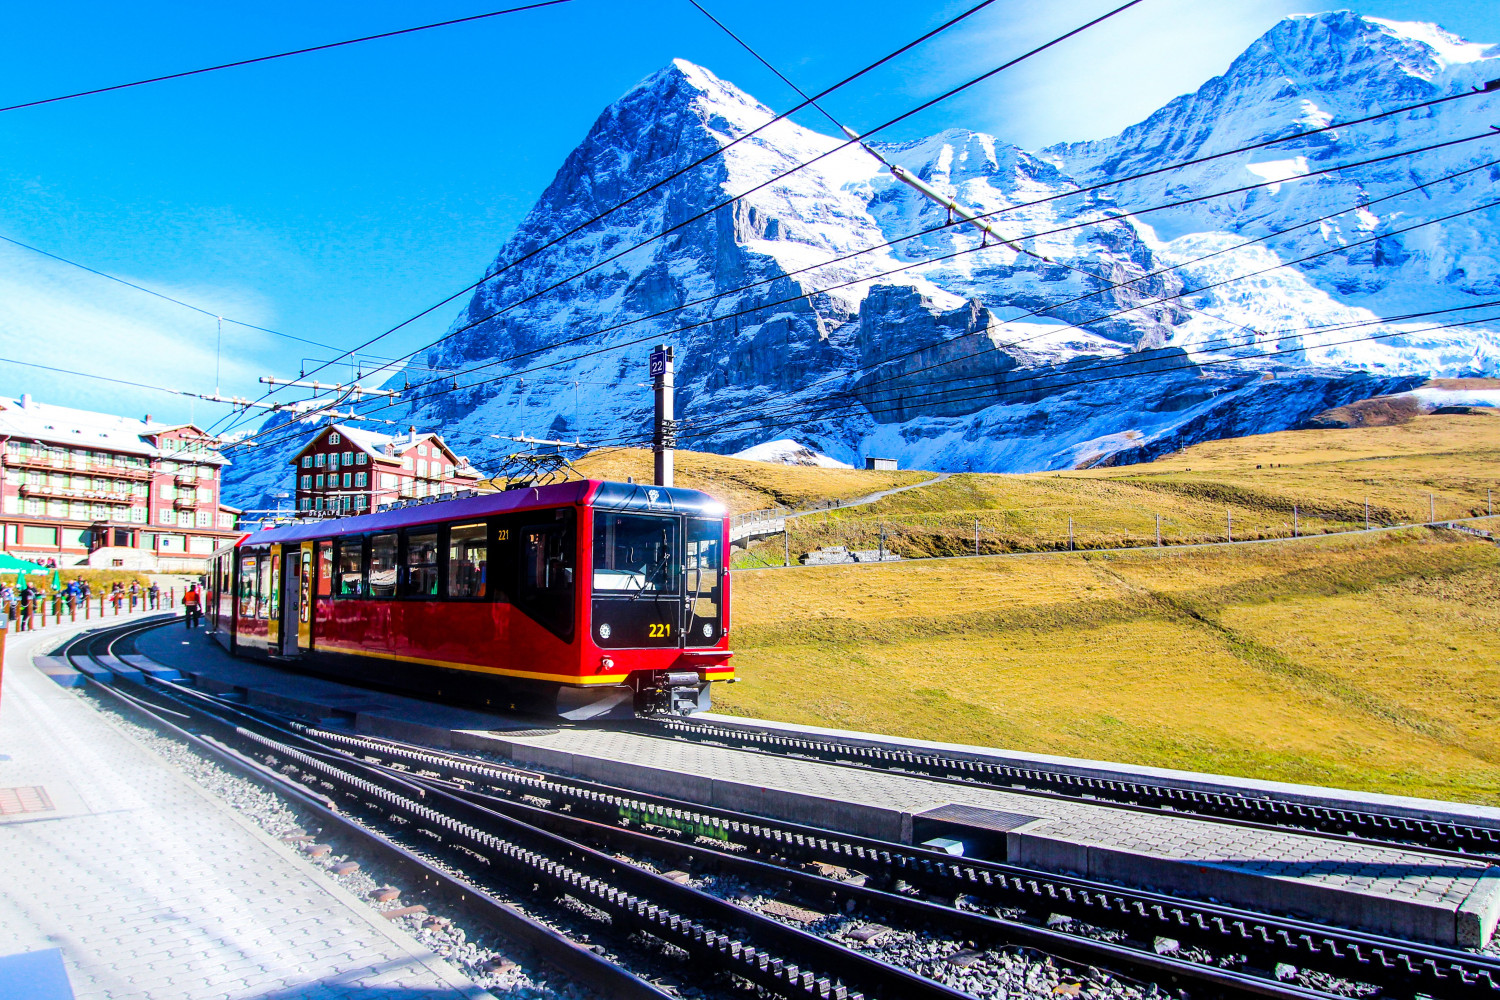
[64, 425]
[374, 443]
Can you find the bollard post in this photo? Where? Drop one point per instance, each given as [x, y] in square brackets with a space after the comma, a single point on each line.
[172, 592]
[43, 603]
[4, 633]
[86, 607]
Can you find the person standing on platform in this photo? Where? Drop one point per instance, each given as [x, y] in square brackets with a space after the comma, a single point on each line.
[23, 601]
[154, 595]
[192, 606]
[135, 595]
[116, 596]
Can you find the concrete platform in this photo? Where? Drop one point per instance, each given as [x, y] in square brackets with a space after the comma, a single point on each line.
[1385, 890]
[150, 887]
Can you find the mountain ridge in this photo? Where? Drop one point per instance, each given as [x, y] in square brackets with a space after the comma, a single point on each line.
[939, 364]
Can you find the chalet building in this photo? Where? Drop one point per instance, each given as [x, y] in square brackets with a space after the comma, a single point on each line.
[344, 470]
[80, 487]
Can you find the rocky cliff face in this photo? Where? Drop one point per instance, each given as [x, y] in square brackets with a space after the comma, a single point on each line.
[949, 354]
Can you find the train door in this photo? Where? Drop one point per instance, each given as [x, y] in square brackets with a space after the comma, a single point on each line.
[293, 601]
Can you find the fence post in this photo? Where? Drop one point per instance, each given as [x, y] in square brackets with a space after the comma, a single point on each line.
[976, 536]
[1489, 496]
[1367, 513]
[1158, 531]
[172, 593]
[1294, 520]
[1070, 532]
[86, 607]
[786, 546]
[1229, 523]
[1431, 509]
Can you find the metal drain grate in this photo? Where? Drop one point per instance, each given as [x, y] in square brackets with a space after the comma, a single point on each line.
[25, 799]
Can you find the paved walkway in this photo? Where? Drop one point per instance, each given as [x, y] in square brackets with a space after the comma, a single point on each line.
[153, 889]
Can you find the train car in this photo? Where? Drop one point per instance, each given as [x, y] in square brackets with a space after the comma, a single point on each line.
[582, 599]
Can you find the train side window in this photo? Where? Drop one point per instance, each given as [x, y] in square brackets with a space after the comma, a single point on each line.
[419, 576]
[383, 566]
[247, 586]
[263, 586]
[324, 586]
[547, 559]
[351, 561]
[468, 561]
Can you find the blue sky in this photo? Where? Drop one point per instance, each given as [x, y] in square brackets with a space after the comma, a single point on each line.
[332, 195]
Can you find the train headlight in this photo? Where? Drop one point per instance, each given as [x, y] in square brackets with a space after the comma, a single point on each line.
[708, 630]
[604, 630]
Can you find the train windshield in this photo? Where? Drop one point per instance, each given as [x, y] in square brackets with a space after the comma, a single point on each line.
[635, 554]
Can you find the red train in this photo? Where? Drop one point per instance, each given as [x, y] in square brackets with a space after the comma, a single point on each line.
[583, 599]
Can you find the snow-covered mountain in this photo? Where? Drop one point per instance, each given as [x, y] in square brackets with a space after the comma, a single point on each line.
[950, 355]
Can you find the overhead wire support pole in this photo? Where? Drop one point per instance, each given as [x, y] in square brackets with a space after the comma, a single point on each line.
[664, 440]
[532, 440]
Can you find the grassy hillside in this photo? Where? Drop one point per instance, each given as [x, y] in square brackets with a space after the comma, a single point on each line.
[1326, 474]
[746, 485]
[1362, 662]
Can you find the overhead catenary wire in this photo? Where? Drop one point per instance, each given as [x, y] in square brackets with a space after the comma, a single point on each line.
[687, 426]
[1054, 305]
[775, 179]
[279, 55]
[1121, 180]
[1135, 362]
[905, 266]
[719, 151]
[1111, 182]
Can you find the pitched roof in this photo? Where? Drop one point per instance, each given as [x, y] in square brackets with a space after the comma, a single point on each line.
[25, 418]
[374, 443]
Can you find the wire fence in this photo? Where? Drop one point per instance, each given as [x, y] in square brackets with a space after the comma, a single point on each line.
[856, 535]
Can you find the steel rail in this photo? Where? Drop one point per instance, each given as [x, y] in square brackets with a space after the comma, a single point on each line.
[1416, 968]
[781, 959]
[550, 947]
[1263, 811]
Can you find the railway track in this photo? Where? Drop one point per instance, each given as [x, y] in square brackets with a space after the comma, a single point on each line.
[493, 822]
[1458, 840]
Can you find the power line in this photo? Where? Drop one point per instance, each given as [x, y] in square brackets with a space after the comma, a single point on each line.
[910, 265]
[904, 266]
[1364, 203]
[492, 315]
[1134, 362]
[151, 291]
[489, 276]
[779, 177]
[280, 55]
[1194, 291]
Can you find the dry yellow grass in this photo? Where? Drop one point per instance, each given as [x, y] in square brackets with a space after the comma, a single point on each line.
[743, 485]
[1363, 662]
[1326, 475]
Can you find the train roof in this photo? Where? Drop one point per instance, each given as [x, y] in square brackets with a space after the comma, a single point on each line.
[437, 510]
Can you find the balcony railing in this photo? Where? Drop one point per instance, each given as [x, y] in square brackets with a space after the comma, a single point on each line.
[93, 496]
[185, 502]
[68, 464]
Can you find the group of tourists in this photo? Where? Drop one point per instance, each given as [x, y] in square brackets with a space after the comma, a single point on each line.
[22, 599]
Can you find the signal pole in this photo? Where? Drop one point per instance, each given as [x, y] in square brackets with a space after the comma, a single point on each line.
[664, 440]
